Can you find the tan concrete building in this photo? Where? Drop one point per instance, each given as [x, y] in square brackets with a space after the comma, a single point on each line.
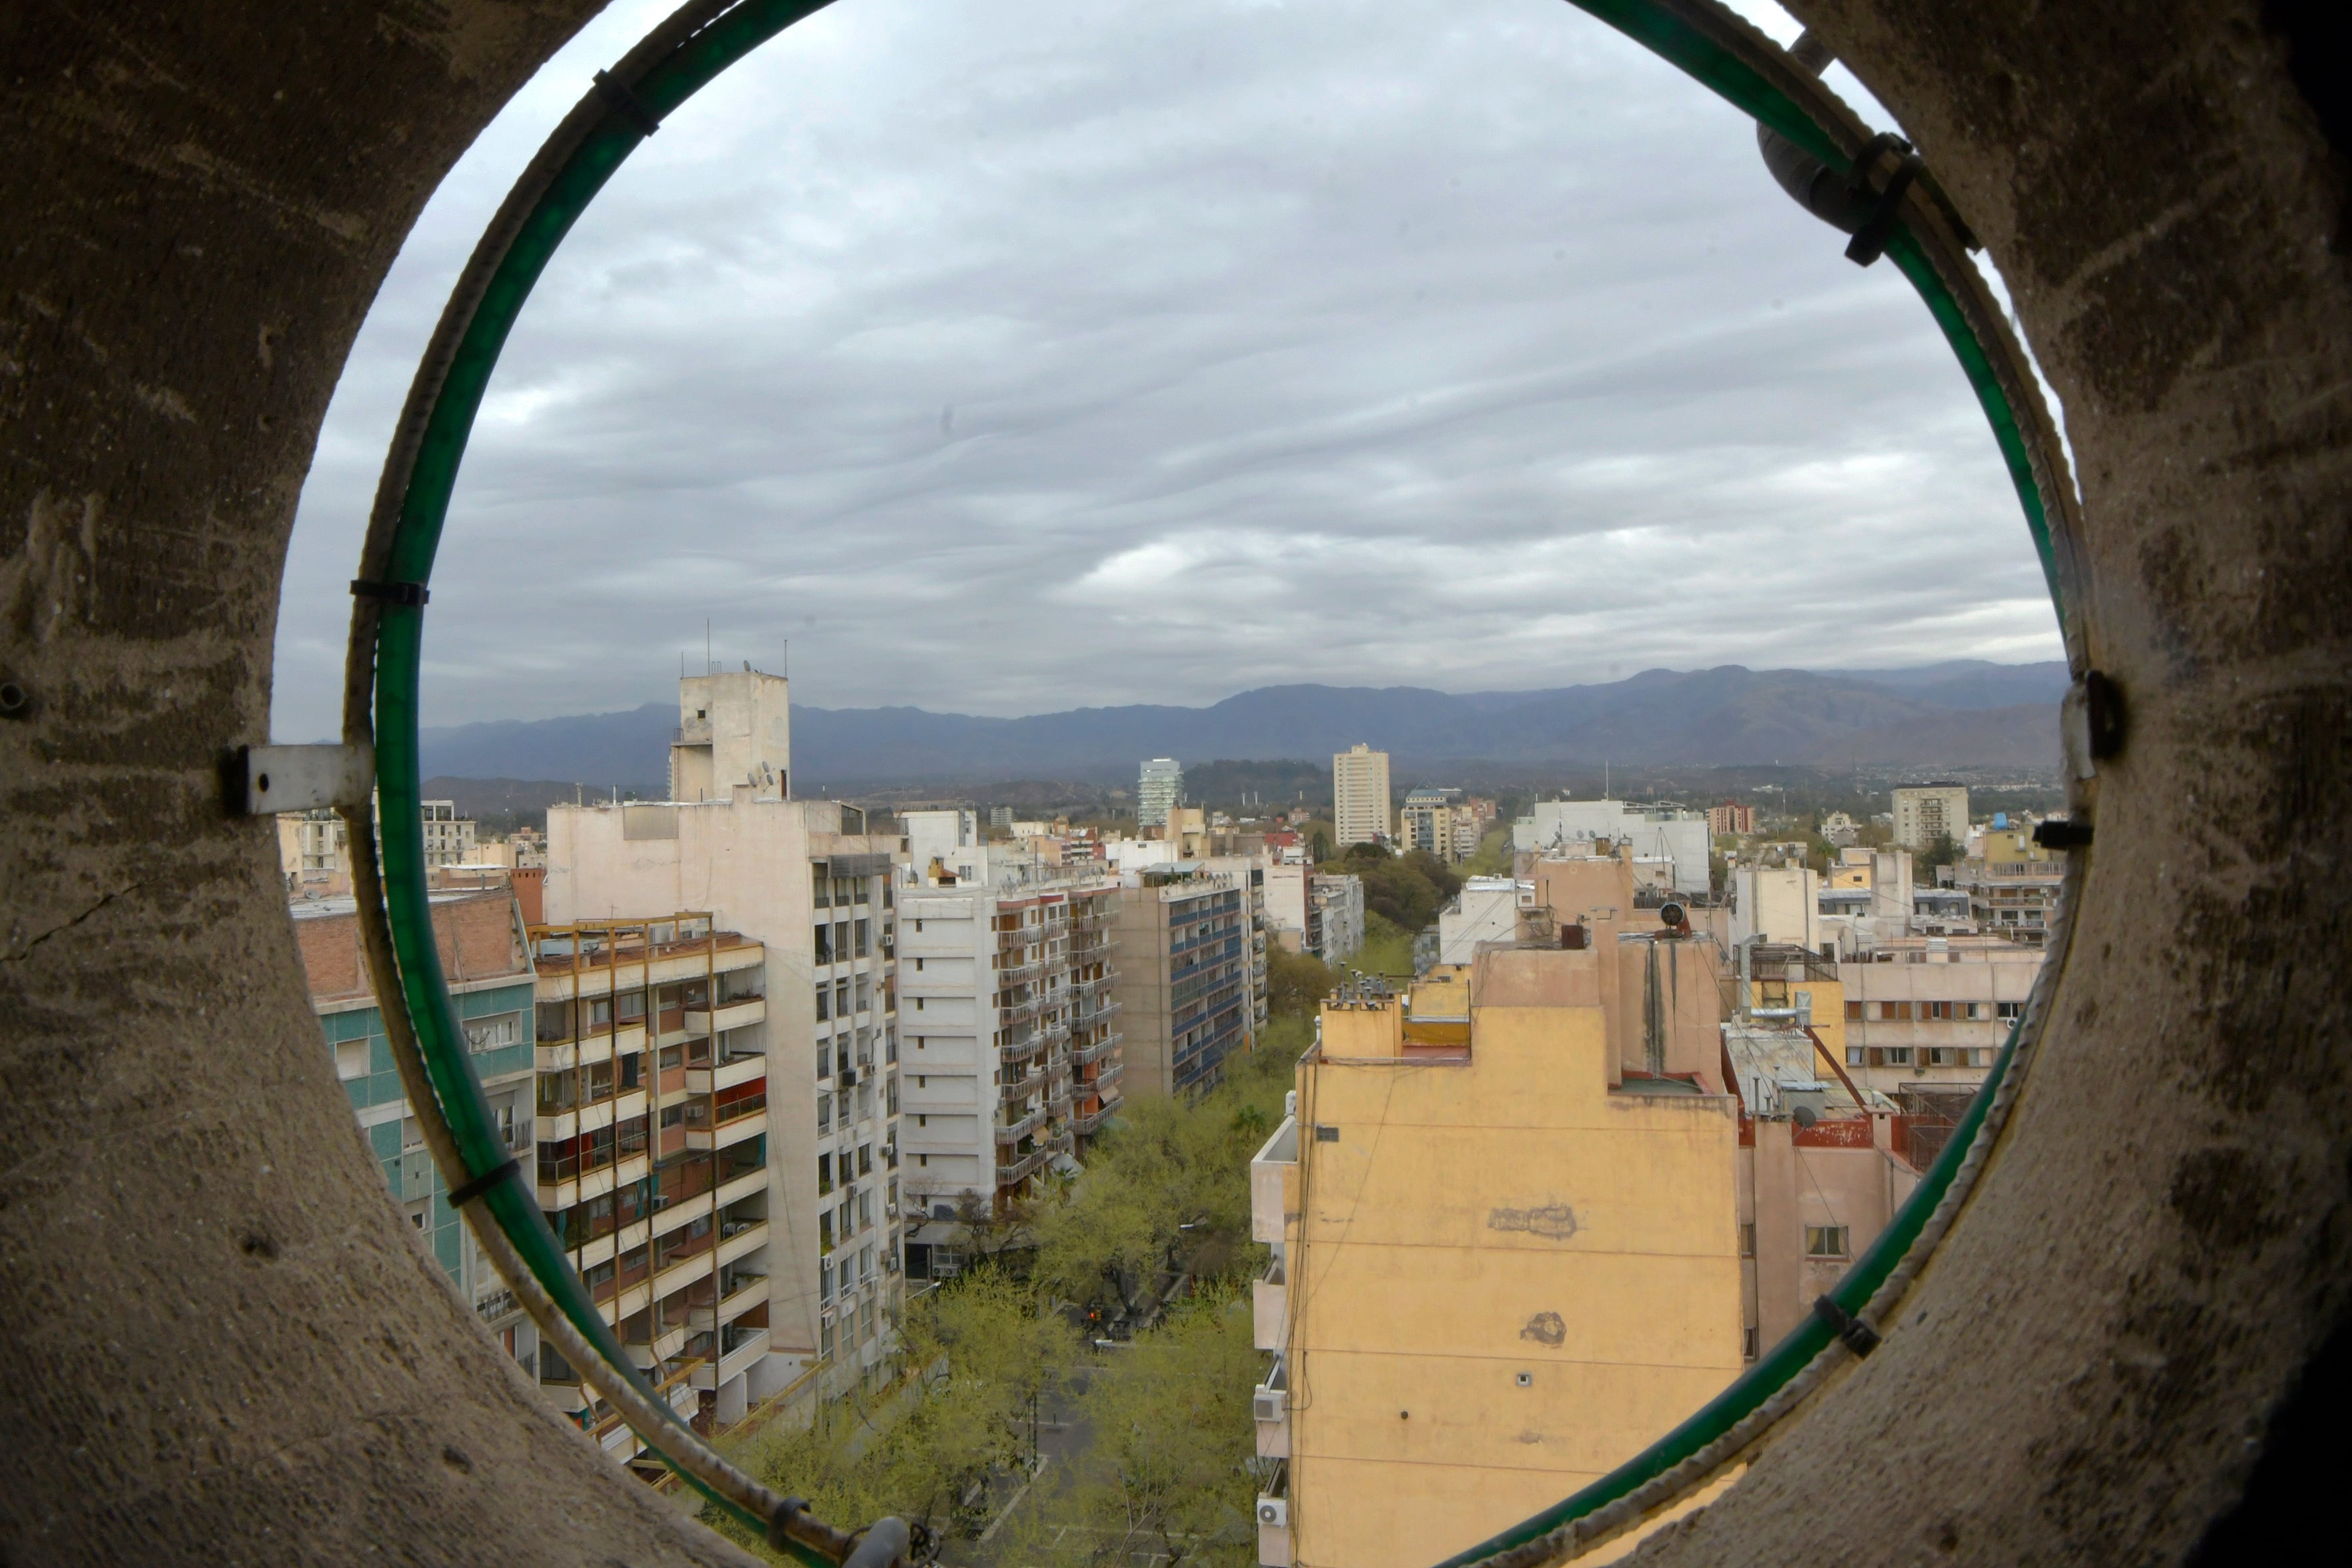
[806, 879]
[1183, 978]
[1924, 813]
[1360, 796]
[1503, 1268]
[1933, 1009]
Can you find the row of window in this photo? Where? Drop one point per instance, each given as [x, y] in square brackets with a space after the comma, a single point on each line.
[1822, 1241]
[1856, 1011]
[1925, 1056]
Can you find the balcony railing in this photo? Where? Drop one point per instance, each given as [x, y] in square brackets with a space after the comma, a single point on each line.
[1020, 1169]
[1088, 1055]
[1014, 1132]
[1022, 1048]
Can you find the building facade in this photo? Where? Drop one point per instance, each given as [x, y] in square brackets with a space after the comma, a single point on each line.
[805, 880]
[652, 1129]
[2013, 885]
[1534, 1271]
[1730, 818]
[1182, 982]
[1159, 789]
[1665, 834]
[1360, 796]
[1009, 1042]
[1927, 812]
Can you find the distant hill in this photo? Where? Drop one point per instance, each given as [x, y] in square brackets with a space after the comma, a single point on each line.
[1968, 713]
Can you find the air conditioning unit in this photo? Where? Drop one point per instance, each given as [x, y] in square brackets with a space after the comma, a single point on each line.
[1266, 1404]
[1274, 1511]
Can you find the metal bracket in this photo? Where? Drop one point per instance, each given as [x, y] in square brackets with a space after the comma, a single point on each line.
[268, 779]
[2092, 724]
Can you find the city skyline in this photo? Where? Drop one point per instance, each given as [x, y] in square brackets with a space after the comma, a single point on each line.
[1498, 326]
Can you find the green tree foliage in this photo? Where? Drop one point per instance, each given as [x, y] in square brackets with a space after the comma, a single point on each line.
[1173, 1471]
[1943, 851]
[1407, 889]
[1294, 982]
[981, 1349]
[1387, 949]
[1169, 1164]
[1494, 855]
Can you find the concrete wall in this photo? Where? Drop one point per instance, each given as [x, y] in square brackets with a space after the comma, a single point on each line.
[1469, 1223]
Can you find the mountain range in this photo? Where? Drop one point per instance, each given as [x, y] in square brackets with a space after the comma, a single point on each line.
[1966, 713]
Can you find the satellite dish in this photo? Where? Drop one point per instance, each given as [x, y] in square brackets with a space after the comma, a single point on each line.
[1806, 1115]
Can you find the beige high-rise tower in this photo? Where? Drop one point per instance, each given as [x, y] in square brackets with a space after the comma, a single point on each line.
[1360, 794]
[732, 729]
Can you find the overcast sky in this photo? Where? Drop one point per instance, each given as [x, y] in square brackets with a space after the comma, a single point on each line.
[1014, 355]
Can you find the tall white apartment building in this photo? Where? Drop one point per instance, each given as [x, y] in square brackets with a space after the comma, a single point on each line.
[1924, 812]
[1573, 827]
[806, 879]
[1010, 1058]
[1359, 795]
[1159, 789]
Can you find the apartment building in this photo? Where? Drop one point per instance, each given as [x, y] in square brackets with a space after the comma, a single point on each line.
[1184, 976]
[1485, 910]
[2013, 885]
[805, 879]
[1534, 1270]
[1659, 833]
[1426, 823]
[1159, 789]
[1933, 1009]
[1360, 796]
[1009, 1058]
[312, 845]
[1335, 915]
[1924, 813]
[486, 958]
[654, 1131]
[1730, 818]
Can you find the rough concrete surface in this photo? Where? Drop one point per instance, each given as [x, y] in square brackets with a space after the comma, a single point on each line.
[222, 1345]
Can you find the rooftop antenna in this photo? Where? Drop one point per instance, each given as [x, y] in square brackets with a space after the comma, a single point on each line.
[706, 644]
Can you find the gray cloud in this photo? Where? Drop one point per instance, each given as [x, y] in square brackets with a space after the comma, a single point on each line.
[1027, 354]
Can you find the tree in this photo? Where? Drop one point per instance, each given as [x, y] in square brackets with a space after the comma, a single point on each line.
[1294, 982]
[982, 1352]
[1174, 1460]
[1942, 852]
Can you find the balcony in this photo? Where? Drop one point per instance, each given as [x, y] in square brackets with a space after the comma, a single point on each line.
[733, 1014]
[1274, 1183]
[1105, 1007]
[1270, 1308]
[1008, 1174]
[721, 1126]
[1025, 1048]
[738, 1238]
[737, 1348]
[1088, 1055]
[1109, 1074]
[1012, 1133]
[731, 1073]
[1010, 1013]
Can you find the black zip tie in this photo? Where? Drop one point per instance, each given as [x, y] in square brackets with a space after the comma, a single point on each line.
[2062, 835]
[1859, 1336]
[483, 1182]
[631, 107]
[779, 1521]
[1869, 241]
[409, 593]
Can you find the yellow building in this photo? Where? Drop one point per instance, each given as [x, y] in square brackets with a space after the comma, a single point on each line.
[1507, 1260]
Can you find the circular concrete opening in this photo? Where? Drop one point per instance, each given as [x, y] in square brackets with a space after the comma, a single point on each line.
[223, 1346]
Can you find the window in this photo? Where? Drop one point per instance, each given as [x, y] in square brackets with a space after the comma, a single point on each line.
[1748, 1240]
[866, 1210]
[824, 1112]
[865, 1159]
[841, 997]
[825, 1172]
[1853, 1010]
[492, 1034]
[864, 993]
[823, 1003]
[824, 944]
[629, 1007]
[599, 1013]
[1825, 1241]
[824, 1337]
[825, 1230]
[857, 936]
[631, 1070]
[1854, 1055]
[825, 1058]
[824, 1280]
[2009, 1009]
